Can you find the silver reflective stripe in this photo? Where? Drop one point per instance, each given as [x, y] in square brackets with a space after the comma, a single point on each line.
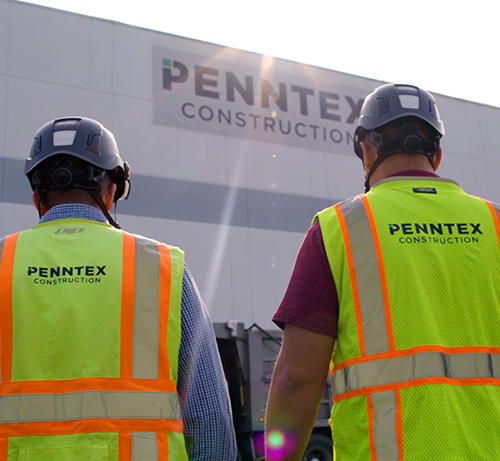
[419, 365]
[145, 329]
[1, 249]
[371, 300]
[371, 304]
[88, 405]
[144, 446]
[384, 426]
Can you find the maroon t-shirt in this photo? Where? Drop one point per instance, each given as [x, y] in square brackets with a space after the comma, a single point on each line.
[310, 300]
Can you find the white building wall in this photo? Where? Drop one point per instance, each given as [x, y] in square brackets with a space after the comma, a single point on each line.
[54, 64]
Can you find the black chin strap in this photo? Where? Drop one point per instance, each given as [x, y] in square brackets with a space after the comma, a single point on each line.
[96, 197]
[99, 201]
[67, 173]
[380, 159]
[39, 211]
[409, 141]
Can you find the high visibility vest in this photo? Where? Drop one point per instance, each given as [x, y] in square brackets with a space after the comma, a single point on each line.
[416, 370]
[89, 342]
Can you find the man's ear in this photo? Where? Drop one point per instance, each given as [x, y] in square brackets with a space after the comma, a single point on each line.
[369, 155]
[109, 195]
[35, 198]
[437, 158]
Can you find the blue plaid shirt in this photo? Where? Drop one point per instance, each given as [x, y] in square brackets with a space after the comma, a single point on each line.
[206, 413]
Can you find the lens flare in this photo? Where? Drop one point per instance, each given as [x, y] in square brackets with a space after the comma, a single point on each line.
[276, 440]
[278, 445]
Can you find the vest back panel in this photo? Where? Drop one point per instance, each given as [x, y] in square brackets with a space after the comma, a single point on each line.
[90, 342]
[416, 264]
[438, 249]
[67, 303]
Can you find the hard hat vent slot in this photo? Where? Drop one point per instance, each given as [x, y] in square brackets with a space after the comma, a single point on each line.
[64, 138]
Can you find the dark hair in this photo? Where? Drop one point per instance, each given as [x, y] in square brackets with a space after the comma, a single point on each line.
[396, 127]
[67, 179]
[404, 135]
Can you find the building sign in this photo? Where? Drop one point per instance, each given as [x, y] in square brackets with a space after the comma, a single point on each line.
[225, 94]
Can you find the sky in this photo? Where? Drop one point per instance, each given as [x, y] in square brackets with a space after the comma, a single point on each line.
[445, 46]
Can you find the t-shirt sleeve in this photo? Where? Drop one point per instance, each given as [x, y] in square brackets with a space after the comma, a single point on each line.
[310, 300]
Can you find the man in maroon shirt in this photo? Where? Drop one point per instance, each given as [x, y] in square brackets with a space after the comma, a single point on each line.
[309, 310]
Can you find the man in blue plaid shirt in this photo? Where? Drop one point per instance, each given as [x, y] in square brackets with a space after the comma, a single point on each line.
[76, 173]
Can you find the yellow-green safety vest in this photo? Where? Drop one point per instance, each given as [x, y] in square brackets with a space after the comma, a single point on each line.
[89, 342]
[416, 371]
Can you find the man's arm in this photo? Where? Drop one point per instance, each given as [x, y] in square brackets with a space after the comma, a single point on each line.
[205, 407]
[297, 386]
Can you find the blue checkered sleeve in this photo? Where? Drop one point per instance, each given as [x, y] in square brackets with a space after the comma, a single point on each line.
[206, 413]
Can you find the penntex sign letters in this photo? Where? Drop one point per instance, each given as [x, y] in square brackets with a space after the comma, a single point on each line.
[229, 94]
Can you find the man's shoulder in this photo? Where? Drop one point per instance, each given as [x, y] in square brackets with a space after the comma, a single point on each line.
[5, 237]
[492, 203]
[331, 209]
[152, 241]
